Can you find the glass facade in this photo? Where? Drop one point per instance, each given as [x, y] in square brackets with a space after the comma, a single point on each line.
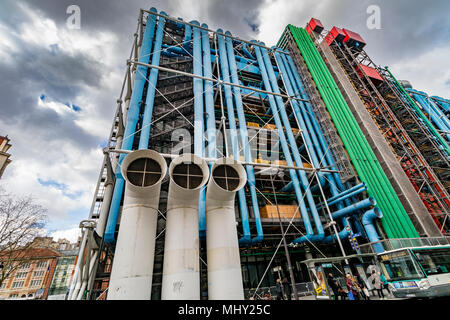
[62, 276]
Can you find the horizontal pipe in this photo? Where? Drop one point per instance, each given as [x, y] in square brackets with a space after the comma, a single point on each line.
[359, 186]
[364, 204]
[211, 160]
[209, 79]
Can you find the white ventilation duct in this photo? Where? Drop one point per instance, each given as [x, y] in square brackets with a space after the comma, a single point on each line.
[181, 270]
[132, 271]
[223, 258]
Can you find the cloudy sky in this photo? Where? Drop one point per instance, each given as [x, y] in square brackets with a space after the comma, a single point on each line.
[58, 86]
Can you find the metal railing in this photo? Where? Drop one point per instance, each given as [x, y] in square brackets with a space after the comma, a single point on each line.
[303, 289]
[393, 244]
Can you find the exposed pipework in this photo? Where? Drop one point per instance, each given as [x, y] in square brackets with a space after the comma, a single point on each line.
[223, 257]
[243, 133]
[132, 270]
[277, 108]
[225, 73]
[130, 127]
[293, 174]
[151, 90]
[368, 222]
[199, 145]
[181, 278]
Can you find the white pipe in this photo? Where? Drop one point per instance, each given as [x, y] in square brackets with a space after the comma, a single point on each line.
[132, 271]
[181, 271]
[223, 258]
[75, 283]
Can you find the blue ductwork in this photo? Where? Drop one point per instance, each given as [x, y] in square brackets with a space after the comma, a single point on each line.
[310, 138]
[225, 73]
[368, 223]
[347, 196]
[352, 209]
[244, 139]
[362, 186]
[310, 236]
[337, 185]
[187, 38]
[199, 146]
[151, 90]
[130, 126]
[273, 86]
[439, 119]
[247, 52]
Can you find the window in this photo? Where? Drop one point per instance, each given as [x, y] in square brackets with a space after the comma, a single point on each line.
[400, 266]
[13, 296]
[436, 261]
[21, 275]
[3, 285]
[41, 264]
[25, 266]
[17, 284]
[35, 283]
[38, 273]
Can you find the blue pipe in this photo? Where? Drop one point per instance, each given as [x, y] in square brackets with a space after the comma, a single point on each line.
[309, 135]
[368, 223]
[436, 115]
[289, 65]
[130, 126]
[296, 183]
[187, 38]
[364, 204]
[199, 147]
[225, 73]
[347, 196]
[244, 139]
[273, 86]
[247, 52]
[151, 90]
[346, 192]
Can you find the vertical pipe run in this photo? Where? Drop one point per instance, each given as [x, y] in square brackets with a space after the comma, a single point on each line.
[224, 64]
[130, 127]
[151, 90]
[181, 270]
[199, 127]
[132, 270]
[243, 133]
[223, 257]
[283, 142]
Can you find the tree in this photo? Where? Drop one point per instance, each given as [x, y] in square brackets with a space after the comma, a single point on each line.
[21, 221]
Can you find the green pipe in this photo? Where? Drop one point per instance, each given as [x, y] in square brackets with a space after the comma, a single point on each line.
[359, 150]
[330, 101]
[356, 135]
[367, 153]
[372, 156]
[420, 113]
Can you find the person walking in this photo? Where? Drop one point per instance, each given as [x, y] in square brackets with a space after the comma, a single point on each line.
[385, 284]
[375, 280]
[363, 288]
[279, 290]
[287, 288]
[334, 286]
[351, 286]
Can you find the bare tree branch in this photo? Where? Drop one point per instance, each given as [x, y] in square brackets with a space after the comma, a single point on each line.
[21, 221]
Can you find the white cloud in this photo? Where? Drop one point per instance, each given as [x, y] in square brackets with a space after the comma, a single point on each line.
[428, 72]
[69, 234]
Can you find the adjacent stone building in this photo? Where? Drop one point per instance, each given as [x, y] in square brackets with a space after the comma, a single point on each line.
[4, 156]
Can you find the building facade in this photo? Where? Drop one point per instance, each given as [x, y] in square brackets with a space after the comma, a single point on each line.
[4, 155]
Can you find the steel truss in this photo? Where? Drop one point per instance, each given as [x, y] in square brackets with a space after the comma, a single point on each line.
[411, 143]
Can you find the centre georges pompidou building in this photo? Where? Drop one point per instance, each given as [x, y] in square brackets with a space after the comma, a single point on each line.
[231, 164]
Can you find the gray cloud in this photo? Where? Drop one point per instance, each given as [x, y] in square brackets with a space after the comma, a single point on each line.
[409, 28]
